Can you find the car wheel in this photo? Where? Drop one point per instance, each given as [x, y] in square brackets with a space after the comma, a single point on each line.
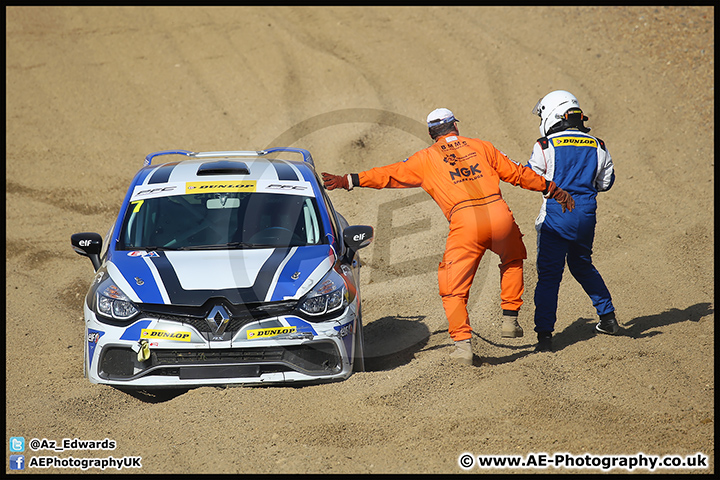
[359, 351]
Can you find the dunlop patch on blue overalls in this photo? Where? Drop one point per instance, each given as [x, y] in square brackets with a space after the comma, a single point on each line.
[574, 142]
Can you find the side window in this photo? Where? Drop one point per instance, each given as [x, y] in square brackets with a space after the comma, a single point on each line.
[310, 219]
[131, 233]
[333, 222]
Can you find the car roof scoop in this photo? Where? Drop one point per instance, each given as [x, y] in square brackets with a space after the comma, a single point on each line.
[223, 167]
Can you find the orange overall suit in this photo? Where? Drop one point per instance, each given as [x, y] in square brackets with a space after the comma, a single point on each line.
[463, 176]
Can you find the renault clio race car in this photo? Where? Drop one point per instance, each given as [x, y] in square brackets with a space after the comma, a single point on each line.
[224, 268]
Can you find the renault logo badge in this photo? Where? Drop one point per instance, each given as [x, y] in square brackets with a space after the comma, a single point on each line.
[218, 320]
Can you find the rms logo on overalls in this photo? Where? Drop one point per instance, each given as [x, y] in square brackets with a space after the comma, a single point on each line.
[451, 159]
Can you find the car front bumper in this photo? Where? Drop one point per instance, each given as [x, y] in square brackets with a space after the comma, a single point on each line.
[159, 353]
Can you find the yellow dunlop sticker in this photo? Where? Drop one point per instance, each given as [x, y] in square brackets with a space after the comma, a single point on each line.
[213, 187]
[163, 335]
[269, 332]
[574, 142]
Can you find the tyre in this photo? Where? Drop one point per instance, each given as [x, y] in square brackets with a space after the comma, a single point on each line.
[359, 350]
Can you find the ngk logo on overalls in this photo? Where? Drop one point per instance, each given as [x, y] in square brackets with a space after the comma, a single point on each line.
[465, 173]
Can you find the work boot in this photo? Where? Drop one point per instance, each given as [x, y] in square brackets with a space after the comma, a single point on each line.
[544, 342]
[463, 352]
[510, 326]
[608, 324]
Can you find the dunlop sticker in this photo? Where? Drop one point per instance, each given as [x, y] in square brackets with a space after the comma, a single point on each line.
[213, 187]
[574, 142]
[269, 332]
[163, 335]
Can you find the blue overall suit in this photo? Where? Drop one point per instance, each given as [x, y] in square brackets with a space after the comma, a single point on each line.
[581, 165]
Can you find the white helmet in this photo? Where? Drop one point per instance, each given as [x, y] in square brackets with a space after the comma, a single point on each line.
[552, 107]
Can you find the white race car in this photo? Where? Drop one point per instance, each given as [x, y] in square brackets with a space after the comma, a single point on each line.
[224, 268]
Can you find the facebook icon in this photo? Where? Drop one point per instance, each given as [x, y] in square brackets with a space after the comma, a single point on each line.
[17, 462]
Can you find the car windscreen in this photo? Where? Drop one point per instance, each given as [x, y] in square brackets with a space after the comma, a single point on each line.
[221, 221]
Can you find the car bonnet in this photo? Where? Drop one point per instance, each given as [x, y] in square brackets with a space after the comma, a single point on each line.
[241, 276]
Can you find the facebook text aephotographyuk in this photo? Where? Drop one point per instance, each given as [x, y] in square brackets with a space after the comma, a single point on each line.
[85, 463]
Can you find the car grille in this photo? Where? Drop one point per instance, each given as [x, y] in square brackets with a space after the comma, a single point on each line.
[317, 357]
[240, 315]
[190, 357]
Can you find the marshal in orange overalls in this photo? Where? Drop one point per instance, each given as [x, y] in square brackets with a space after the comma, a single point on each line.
[463, 176]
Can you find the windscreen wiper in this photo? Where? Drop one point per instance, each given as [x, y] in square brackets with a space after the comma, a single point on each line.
[152, 248]
[227, 246]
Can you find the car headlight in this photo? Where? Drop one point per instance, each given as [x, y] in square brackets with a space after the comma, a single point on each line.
[329, 295]
[112, 302]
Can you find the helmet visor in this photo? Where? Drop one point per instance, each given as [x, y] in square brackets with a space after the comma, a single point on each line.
[536, 108]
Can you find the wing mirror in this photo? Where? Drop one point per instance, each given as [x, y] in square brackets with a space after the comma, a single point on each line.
[357, 237]
[88, 244]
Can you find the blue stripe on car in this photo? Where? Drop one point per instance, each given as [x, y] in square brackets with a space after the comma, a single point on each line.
[133, 268]
[302, 264]
[284, 171]
[133, 331]
[162, 174]
[301, 325]
[141, 175]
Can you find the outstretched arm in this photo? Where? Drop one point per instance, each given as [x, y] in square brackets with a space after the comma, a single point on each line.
[403, 174]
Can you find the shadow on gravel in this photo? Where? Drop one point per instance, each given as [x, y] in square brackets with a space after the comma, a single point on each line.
[517, 351]
[639, 327]
[393, 341]
[154, 395]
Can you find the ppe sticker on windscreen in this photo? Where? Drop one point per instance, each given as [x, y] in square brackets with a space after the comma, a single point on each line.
[141, 192]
